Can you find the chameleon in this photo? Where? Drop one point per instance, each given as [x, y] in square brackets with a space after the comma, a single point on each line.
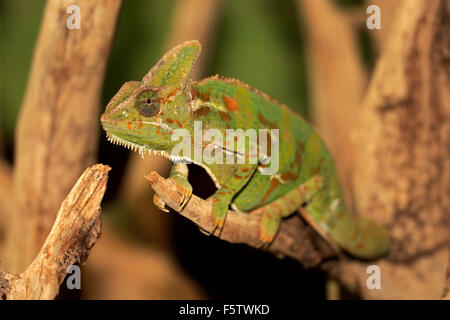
[144, 116]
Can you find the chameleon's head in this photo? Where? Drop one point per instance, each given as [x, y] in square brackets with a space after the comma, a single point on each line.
[143, 115]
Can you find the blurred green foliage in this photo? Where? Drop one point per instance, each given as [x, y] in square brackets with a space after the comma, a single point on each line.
[19, 27]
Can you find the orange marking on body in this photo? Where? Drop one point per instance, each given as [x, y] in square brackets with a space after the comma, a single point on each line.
[266, 122]
[206, 96]
[178, 123]
[203, 110]
[273, 184]
[194, 93]
[237, 176]
[276, 205]
[173, 92]
[224, 116]
[139, 124]
[130, 125]
[291, 175]
[230, 103]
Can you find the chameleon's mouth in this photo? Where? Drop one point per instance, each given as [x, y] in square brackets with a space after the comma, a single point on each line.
[143, 149]
[140, 149]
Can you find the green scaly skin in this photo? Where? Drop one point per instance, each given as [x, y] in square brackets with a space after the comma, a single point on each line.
[144, 114]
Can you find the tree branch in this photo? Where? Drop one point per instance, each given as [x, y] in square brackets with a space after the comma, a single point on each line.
[401, 170]
[74, 233]
[57, 128]
[295, 238]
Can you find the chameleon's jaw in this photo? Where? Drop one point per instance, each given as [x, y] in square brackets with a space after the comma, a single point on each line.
[124, 143]
[140, 149]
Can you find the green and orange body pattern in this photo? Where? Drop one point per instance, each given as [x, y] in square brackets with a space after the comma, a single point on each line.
[144, 115]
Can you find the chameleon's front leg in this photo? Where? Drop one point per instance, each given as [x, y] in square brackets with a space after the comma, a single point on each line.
[179, 175]
[221, 199]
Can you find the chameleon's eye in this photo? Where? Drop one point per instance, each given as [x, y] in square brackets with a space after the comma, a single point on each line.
[148, 103]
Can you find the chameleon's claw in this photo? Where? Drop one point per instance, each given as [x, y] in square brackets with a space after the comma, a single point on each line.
[219, 212]
[218, 223]
[268, 229]
[184, 189]
[186, 195]
[159, 203]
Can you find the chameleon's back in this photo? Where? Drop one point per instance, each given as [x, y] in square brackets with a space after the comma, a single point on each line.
[302, 155]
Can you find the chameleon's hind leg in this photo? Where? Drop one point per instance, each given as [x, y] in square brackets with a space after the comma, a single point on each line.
[179, 175]
[272, 213]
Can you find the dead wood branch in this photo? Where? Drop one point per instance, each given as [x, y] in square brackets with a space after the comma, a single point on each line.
[58, 122]
[295, 238]
[75, 232]
[401, 168]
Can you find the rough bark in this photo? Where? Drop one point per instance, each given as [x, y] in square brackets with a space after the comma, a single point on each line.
[402, 167]
[57, 128]
[75, 232]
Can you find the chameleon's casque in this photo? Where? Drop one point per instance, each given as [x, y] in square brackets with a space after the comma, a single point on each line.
[144, 114]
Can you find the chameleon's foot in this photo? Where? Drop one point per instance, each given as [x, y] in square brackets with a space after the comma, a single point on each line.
[219, 212]
[270, 223]
[184, 189]
[159, 203]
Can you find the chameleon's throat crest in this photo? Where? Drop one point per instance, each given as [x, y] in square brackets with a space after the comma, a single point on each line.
[143, 149]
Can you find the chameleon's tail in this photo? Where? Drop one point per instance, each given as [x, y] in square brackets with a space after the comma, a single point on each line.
[360, 237]
[364, 239]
